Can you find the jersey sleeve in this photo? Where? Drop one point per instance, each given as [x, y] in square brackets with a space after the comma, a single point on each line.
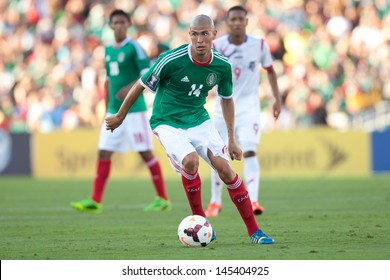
[151, 78]
[225, 85]
[266, 57]
[141, 59]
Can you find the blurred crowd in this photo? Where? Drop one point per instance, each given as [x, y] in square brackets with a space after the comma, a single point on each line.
[332, 57]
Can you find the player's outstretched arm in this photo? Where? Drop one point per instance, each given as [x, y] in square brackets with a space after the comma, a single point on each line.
[277, 107]
[227, 106]
[116, 120]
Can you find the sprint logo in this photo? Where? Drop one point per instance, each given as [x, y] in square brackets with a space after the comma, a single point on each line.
[336, 155]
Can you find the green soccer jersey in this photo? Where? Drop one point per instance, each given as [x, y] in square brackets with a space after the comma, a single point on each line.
[125, 64]
[182, 85]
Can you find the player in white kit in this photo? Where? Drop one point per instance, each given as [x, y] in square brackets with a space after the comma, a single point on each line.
[246, 54]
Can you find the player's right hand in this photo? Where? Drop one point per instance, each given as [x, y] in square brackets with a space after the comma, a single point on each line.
[235, 151]
[113, 122]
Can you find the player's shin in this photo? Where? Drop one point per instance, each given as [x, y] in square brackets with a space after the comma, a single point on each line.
[157, 177]
[102, 173]
[192, 187]
[240, 197]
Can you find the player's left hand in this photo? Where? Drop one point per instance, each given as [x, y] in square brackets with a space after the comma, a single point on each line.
[235, 151]
[113, 122]
[277, 107]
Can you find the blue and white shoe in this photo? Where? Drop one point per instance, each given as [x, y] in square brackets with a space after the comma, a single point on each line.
[213, 236]
[259, 237]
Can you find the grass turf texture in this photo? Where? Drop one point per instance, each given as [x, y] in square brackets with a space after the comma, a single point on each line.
[319, 219]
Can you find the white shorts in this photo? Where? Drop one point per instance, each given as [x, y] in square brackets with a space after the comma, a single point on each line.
[133, 135]
[246, 129]
[179, 142]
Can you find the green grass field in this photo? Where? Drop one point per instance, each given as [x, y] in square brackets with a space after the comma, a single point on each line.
[310, 219]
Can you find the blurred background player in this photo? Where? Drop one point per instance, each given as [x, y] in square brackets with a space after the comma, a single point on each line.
[246, 53]
[182, 79]
[125, 61]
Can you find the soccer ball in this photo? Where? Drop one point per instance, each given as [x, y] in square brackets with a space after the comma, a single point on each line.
[195, 231]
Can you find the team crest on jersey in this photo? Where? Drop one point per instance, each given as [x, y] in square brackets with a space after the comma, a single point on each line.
[121, 57]
[108, 58]
[252, 65]
[211, 79]
[152, 82]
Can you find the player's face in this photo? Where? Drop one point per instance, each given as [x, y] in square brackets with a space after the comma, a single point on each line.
[202, 37]
[237, 22]
[119, 25]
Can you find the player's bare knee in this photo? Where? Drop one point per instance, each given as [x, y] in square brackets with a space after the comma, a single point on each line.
[104, 155]
[146, 155]
[226, 173]
[191, 163]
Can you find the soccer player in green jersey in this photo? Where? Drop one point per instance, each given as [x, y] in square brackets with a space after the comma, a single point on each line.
[125, 62]
[181, 79]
